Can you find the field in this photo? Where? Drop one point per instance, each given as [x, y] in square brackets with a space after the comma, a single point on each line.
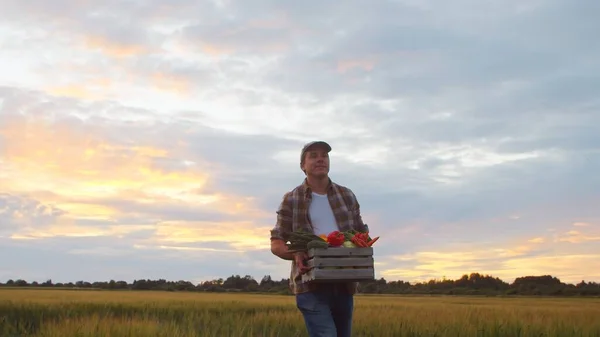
[129, 313]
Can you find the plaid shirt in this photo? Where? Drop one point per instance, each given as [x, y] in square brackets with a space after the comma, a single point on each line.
[293, 215]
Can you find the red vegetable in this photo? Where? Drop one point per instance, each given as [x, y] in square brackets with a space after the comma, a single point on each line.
[336, 238]
[363, 237]
[370, 243]
[359, 241]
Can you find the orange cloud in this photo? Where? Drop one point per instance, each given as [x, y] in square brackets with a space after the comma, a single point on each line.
[346, 65]
[536, 240]
[241, 235]
[69, 229]
[505, 263]
[578, 237]
[79, 171]
[214, 50]
[78, 164]
[568, 267]
[171, 83]
[92, 90]
[114, 48]
[72, 91]
[91, 83]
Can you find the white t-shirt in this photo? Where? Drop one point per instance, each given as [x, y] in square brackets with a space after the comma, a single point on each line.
[321, 215]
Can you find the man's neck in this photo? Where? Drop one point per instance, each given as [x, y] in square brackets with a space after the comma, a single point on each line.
[318, 185]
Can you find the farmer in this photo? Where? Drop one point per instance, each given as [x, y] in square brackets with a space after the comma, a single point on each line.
[320, 206]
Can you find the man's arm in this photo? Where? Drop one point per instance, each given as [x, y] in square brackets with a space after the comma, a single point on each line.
[283, 226]
[279, 249]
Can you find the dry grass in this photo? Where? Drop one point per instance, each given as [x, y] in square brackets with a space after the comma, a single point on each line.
[129, 313]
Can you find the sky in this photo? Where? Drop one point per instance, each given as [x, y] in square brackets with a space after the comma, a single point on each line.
[146, 139]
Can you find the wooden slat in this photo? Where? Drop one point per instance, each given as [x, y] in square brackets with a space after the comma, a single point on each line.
[341, 251]
[344, 275]
[362, 261]
[335, 264]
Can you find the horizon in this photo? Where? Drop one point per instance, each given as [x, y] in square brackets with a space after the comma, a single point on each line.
[258, 279]
[147, 141]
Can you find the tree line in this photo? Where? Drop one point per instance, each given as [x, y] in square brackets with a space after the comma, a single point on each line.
[472, 284]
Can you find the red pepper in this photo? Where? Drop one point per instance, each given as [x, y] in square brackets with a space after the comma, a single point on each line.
[336, 238]
[358, 241]
[363, 236]
[361, 239]
[370, 243]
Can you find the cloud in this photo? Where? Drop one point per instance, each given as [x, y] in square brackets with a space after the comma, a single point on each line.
[59, 158]
[176, 129]
[424, 266]
[583, 232]
[17, 212]
[506, 260]
[89, 184]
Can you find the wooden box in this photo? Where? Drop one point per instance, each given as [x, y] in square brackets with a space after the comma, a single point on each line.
[335, 264]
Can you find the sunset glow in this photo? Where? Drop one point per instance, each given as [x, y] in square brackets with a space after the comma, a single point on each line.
[162, 139]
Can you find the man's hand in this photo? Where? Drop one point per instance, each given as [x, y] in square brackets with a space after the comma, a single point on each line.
[299, 258]
[279, 249]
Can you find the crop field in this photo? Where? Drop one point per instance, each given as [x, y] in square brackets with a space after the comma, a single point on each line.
[63, 313]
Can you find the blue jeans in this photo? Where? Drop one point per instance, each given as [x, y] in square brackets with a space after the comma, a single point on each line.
[327, 312]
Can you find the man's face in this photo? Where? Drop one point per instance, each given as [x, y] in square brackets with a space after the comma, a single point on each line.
[316, 162]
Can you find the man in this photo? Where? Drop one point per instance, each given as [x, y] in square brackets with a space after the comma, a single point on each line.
[320, 206]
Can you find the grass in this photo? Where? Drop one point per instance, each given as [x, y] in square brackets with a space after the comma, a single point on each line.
[135, 313]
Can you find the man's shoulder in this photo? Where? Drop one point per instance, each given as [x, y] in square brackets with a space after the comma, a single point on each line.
[294, 192]
[342, 189]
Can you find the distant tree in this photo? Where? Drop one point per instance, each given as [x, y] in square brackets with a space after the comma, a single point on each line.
[467, 284]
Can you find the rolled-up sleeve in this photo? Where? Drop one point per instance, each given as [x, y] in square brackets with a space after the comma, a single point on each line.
[283, 226]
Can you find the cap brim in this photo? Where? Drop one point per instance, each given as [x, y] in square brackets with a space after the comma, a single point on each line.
[317, 143]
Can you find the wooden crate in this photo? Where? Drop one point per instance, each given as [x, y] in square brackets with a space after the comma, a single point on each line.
[335, 264]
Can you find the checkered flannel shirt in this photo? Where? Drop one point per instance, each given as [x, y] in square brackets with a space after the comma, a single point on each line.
[292, 215]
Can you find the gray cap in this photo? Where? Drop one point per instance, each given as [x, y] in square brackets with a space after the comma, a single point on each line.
[310, 144]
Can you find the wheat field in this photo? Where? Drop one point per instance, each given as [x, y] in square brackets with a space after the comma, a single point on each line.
[63, 313]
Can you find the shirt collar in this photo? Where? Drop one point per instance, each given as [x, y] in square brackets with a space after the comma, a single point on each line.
[308, 190]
